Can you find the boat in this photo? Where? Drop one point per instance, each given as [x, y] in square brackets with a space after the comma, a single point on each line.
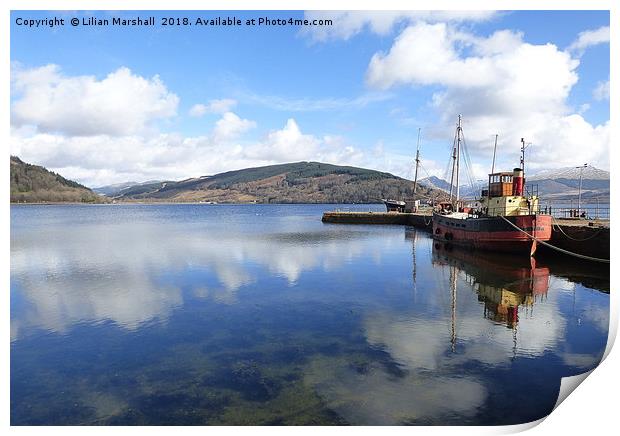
[410, 205]
[505, 219]
[394, 205]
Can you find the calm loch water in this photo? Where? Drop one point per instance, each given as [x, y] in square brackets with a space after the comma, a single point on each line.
[261, 314]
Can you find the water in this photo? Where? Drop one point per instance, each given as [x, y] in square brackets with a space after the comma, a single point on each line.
[261, 314]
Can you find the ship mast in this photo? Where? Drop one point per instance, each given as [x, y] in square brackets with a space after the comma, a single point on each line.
[458, 157]
[456, 151]
[452, 176]
[417, 164]
[523, 155]
[492, 171]
[494, 151]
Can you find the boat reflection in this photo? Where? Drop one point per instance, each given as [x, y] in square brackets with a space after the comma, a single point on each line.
[503, 283]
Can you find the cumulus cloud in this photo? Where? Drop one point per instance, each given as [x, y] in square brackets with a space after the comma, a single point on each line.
[122, 103]
[102, 159]
[590, 38]
[230, 126]
[198, 110]
[214, 107]
[601, 92]
[99, 132]
[290, 144]
[502, 85]
[347, 24]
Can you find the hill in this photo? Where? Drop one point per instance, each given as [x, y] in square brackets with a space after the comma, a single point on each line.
[118, 188]
[435, 182]
[35, 184]
[300, 182]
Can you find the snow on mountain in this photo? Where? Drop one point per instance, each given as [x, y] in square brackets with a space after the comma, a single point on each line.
[571, 173]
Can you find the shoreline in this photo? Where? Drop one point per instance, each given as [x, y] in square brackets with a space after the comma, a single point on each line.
[62, 203]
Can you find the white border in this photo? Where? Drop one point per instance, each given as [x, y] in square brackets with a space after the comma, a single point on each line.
[591, 410]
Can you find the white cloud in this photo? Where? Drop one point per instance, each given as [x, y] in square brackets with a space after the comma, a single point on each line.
[198, 110]
[585, 107]
[320, 104]
[590, 38]
[214, 107]
[501, 85]
[221, 106]
[102, 159]
[230, 126]
[122, 103]
[347, 24]
[290, 144]
[601, 92]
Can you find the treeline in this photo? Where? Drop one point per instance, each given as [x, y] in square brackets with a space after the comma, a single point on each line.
[330, 189]
[332, 185]
[35, 184]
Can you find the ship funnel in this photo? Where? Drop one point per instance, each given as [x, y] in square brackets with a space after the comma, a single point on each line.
[517, 182]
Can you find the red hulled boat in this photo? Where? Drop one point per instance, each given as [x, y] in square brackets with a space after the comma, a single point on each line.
[504, 219]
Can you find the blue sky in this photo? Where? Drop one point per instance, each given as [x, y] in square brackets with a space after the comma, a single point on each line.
[353, 93]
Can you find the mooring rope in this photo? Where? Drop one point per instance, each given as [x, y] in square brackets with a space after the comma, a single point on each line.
[582, 256]
[559, 227]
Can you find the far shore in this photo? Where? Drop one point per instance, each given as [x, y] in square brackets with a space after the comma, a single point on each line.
[120, 203]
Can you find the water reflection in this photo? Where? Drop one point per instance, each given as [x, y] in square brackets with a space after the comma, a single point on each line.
[504, 283]
[133, 273]
[197, 315]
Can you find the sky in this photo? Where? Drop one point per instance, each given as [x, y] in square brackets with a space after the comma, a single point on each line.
[109, 104]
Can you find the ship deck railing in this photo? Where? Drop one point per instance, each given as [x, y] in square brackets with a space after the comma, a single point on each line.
[575, 212]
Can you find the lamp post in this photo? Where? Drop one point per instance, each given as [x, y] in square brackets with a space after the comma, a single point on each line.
[579, 197]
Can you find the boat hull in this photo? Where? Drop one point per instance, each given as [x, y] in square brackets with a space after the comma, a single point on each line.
[394, 205]
[493, 233]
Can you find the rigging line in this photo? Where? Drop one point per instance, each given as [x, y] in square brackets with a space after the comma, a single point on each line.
[467, 161]
[430, 197]
[446, 173]
[559, 227]
[581, 256]
[451, 149]
[468, 164]
[427, 174]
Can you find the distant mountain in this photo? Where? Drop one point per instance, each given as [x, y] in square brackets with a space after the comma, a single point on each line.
[435, 183]
[117, 188]
[300, 182]
[465, 191]
[563, 183]
[35, 184]
[556, 184]
[571, 173]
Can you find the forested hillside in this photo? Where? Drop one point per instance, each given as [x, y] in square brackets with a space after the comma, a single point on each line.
[35, 184]
[300, 182]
